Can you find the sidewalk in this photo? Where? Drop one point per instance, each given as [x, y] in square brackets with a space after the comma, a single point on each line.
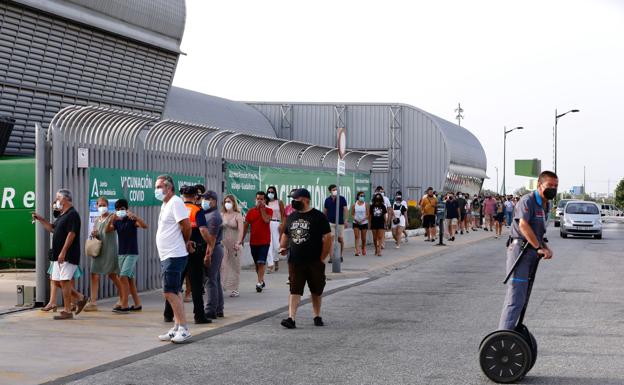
[36, 348]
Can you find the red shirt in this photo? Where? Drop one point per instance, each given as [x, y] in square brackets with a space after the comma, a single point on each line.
[260, 233]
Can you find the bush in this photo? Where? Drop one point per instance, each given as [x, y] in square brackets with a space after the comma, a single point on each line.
[414, 220]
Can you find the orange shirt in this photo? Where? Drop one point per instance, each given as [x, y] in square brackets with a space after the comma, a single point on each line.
[428, 205]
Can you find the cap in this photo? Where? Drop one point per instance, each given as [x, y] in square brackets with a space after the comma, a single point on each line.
[210, 195]
[300, 193]
[188, 190]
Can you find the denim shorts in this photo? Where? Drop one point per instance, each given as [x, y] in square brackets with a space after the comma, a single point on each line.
[171, 271]
[259, 253]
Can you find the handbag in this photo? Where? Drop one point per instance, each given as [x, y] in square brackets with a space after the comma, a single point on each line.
[93, 246]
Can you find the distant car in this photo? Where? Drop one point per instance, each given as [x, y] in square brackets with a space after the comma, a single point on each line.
[610, 210]
[559, 210]
[581, 218]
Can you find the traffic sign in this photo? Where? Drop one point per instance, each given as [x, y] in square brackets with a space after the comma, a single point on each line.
[341, 169]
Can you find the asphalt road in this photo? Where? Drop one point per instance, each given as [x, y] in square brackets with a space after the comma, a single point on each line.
[423, 325]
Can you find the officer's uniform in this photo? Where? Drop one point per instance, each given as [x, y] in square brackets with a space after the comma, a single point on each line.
[530, 209]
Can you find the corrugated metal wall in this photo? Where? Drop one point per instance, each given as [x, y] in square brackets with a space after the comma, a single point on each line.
[47, 63]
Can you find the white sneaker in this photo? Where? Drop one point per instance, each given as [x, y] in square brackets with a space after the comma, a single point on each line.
[169, 335]
[181, 335]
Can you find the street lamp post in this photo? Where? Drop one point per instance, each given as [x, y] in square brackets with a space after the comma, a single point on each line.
[497, 186]
[557, 116]
[505, 154]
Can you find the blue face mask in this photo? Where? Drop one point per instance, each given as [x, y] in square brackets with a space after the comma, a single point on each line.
[362, 198]
[205, 205]
[121, 213]
[159, 194]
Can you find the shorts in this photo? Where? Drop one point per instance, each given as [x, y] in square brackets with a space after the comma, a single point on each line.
[63, 272]
[332, 226]
[360, 226]
[171, 272]
[429, 221]
[462, 216]
[312, 273]
[77, 274]
[476, 214]
[259, 253]
[451, 221]
[500, 217]
[127, 264]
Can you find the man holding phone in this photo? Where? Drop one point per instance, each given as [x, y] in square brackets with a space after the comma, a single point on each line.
[308, 236]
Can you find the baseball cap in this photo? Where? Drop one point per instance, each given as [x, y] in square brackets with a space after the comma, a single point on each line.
[210, 195]
[300, 193]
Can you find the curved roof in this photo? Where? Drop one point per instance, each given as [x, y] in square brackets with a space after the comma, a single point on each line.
[156, 22]
[190, 106]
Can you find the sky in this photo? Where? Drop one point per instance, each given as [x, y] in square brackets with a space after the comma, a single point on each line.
[509, 64]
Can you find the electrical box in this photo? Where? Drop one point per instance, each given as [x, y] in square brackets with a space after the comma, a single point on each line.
[25, 295]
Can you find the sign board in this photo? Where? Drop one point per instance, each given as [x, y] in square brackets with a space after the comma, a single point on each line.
[342, 167]
[342, 143]
[243, 181]
[528, 167]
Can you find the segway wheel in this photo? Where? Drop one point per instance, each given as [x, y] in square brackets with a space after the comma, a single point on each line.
[530, 339]
[505, 356]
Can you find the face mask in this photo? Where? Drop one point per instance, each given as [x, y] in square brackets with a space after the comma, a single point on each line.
[205, 205]
[58, 205]
[56, 213]
[460, 196]
[334, 193]
[121, 213]
[102, 210]
[159, 194]
[362, 198]
[383, 194]
[297, 205]
[228, 206]
[271, 195]
[550, 193]
[399, 198]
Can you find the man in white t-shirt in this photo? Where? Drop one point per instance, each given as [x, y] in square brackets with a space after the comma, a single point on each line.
[174, 245]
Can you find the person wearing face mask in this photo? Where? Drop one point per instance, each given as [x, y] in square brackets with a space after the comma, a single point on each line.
[461, 204]
[452, 216]
[307, 235]
[528, 226]
[336, 221]
[386, 201]
[107, 262]
[258, 218]
[65, 252]
[278, 217]
[126, 223]
[378, 217]
[399, 208]
[476, 212]
[213, 233]
[428, 205]
[233, 227]
[359, 213]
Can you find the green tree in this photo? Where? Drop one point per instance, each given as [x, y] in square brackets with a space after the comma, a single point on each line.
[619, 194]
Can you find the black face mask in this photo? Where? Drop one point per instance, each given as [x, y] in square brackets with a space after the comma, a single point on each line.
[297, 205]
[56, 213]
[550, 193]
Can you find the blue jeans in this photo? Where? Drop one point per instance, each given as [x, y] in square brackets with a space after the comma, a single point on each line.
[214, 290]
[509, 217]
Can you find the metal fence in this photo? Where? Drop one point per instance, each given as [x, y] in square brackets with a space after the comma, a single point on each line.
[80, 138]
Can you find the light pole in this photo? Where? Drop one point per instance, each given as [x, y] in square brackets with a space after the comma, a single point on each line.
[557, 116]
[505, 154]
[497, 186]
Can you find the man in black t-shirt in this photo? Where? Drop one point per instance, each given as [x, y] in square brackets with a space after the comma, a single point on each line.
[452, 215]
[65, 251]
[308, 235]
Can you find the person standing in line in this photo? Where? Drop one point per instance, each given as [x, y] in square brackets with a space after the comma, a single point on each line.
[386, 201]
[233, 228]
[307, 235]
[107, 262]
[359, 213]
[336, 222]
[377, 217]
[194, 270]
[476, 212]
[489, 206]
[173, 241]
[461, 204]
[509, 207]
[126, 223]
[214, 255]
[277, 219]
[428, 206]
[65, 252]
[258, 218]
[499, 216]
[452, 216]
[399, 208]
[468, 210]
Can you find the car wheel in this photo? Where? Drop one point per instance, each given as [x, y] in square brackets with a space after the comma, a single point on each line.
[563, 235]
[598, 236]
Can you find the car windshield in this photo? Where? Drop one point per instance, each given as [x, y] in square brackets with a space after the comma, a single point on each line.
[581, 208]
[562, 203]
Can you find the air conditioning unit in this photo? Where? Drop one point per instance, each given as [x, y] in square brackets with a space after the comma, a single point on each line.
[25, 296]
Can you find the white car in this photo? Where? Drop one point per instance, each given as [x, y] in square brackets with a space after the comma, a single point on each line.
[581, 218]
[610, 210]
[560, 205]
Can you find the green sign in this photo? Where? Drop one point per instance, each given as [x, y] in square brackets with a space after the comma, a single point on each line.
[135, 186]
[243, 181]
[528, 167]
[17, 186]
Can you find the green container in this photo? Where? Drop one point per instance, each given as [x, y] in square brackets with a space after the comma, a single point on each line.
[17, 201]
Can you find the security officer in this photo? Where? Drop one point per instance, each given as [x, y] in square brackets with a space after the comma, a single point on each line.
[529, 225]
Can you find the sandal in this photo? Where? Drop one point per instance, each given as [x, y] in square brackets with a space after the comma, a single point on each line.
[234, 293]
[49, 307]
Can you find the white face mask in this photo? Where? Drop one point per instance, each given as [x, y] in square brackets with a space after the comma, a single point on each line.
[102, 210]
[159, 194]
[228, 206]
[205, 205]
[121, 213]
[271, 195]
[58, 205]
[334, 192]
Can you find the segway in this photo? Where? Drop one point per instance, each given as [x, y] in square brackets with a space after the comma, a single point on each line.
[508, 355]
